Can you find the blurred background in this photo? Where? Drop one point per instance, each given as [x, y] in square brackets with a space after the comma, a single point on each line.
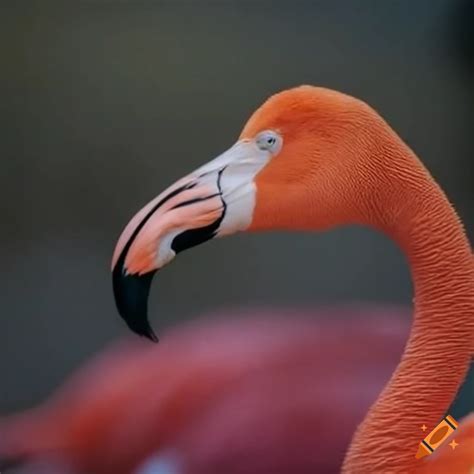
[103, 104]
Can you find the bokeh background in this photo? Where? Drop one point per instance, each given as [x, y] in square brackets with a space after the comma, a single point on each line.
[103, 104]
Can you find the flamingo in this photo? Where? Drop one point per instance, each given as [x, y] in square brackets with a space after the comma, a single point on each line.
[308, 159]
[311, 159]
[235, 395]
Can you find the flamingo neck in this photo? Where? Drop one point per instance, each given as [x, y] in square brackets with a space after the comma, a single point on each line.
[440, 346]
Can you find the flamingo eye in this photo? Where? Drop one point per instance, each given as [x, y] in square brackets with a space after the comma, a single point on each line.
[269, 141]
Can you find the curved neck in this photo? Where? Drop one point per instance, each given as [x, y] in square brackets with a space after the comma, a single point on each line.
[438, 352]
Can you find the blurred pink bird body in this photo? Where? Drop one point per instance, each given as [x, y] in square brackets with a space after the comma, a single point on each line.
[267, 394]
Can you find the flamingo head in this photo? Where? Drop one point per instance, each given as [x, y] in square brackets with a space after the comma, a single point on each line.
[301, 162]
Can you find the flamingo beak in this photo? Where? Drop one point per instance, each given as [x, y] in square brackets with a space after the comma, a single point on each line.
[217, 199]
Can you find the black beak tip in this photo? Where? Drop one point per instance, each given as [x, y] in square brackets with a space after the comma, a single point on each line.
[131, 298]
[144, 330]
